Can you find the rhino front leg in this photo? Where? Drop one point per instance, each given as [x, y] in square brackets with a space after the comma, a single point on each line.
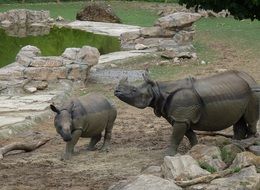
[179, 130]
[71, 144]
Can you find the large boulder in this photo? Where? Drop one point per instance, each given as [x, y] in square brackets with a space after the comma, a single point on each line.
[145, 182]
[178, 20]
[246, 179]
[210, 155]
[181, 168]
[98, 12]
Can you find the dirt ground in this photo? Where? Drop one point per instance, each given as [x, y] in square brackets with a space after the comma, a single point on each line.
[139, 140]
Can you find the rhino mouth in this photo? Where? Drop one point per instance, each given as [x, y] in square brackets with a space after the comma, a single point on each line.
[119, 94]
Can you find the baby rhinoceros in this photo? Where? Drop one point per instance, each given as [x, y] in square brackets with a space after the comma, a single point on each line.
[87, 116]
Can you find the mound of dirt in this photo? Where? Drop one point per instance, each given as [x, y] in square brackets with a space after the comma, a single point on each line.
[98, 12]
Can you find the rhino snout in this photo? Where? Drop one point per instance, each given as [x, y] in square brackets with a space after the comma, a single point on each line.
[117, 92]
[67, 138]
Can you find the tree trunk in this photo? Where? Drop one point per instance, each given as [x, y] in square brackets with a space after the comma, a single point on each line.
[27, 147]
[206, 178]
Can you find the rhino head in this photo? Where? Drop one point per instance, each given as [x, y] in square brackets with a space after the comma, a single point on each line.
[138, 96]
[63, 122]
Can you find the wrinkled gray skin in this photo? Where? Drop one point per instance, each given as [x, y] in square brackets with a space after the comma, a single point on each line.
[210, 104]
[87, 117]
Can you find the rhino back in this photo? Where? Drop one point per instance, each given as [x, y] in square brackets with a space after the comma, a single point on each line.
[225, 98]
[92, 113]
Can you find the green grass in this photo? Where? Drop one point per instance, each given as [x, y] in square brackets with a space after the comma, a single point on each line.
[68, 10]
[242, 35]
[206, 166]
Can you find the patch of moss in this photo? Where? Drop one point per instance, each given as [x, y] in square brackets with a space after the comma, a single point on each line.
[236, 169]
[227, 156]
[206, 166]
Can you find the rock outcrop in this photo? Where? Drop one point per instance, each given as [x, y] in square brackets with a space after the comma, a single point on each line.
[173, 32]
[23, 22]
[98, 12]
[73, 64]
[24, 16]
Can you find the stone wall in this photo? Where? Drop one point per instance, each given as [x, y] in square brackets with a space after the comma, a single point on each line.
[73, 64]
[23, 22]
[171, 32]
[24, 16]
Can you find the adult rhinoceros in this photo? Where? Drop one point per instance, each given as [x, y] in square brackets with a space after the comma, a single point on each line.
[210, 104]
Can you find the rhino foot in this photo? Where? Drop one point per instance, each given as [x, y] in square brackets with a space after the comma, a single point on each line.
[66, 156]
[104, 149]
[91, 148]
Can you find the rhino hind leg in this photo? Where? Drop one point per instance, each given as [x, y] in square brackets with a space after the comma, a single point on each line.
[191, 135]
[240, 129]
[107, 137]
[93, 141]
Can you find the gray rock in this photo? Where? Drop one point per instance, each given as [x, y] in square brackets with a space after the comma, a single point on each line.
[246, 159]
[218, 141]
[26, 54]
[180, 19]
[140, 46]
[181, 168]
[13, 71]
[255, 149]
[77, 72]
[128, 36]
[246, 179]
[88, 55]
[70, 53]
[23, 16]
[210, 155]
[184, 37]
[30, 89]
[45, 73]
[145, 182]
[50, 61]
[153, 170]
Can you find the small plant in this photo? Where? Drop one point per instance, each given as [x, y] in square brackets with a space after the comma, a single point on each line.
[236, 169]
[206, 166]
[227, 156]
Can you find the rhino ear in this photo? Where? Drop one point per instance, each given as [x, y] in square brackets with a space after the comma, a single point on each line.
[54, 109]
[123, 80]
[147, 78]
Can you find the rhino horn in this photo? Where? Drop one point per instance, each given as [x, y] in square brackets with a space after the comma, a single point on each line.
[147, 78]
[54, 109]
[123, 80]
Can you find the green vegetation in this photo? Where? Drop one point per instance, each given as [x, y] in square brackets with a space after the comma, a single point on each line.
[240, 9]
[55, 43]
[68, 10]
[236, 170]
[212, 34]
[206, 166]
[227, 156]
